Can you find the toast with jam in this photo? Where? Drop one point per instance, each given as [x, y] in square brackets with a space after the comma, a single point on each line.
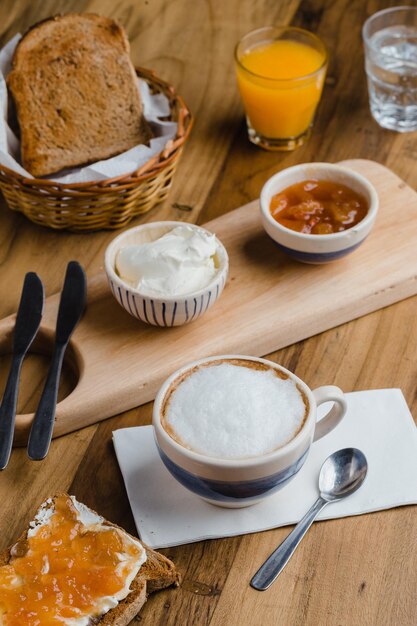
[73, 566]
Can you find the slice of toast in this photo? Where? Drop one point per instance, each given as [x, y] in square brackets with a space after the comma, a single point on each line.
[75, 92]
[156, 573]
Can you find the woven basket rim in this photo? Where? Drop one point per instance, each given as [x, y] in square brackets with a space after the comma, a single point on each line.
[150, 168]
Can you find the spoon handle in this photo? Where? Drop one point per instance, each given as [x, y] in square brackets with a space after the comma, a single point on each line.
[274, 565]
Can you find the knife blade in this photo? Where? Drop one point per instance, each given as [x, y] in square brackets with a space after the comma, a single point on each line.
[71, 307]
[28, 319]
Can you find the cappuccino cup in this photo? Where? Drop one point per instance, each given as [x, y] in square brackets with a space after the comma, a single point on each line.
[235, 429]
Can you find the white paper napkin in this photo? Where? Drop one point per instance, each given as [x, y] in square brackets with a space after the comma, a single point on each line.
[377, 422]
[155, 106]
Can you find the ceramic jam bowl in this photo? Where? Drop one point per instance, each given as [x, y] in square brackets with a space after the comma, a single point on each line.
[318, 249]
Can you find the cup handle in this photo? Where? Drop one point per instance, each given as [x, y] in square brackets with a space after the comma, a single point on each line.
[329, 393]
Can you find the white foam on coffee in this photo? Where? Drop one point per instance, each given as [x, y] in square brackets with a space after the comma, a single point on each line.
[231, 411]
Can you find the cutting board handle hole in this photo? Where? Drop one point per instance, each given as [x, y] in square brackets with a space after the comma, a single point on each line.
[35, 368]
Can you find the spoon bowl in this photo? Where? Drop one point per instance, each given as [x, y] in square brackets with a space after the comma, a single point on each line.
[342, 473]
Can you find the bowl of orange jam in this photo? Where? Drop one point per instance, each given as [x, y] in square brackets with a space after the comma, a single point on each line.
[318, 212]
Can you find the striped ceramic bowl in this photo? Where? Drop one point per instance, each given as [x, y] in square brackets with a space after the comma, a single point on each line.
[318, 249]
[170, 310]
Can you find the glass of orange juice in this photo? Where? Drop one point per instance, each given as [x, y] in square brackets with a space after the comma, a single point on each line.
[280, 73]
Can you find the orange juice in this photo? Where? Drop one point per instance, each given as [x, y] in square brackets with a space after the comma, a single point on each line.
[281, 83]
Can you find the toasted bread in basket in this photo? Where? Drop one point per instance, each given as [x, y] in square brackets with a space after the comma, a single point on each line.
[156, 573]
[75, 93]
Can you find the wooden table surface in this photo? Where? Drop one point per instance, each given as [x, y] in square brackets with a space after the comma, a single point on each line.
[357, 571]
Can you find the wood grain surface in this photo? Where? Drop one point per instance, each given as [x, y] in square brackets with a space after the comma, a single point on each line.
[348, 572]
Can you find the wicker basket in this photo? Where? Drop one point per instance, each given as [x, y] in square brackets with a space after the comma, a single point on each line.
[107, 204]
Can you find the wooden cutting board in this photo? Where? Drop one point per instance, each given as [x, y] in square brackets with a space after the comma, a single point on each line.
[269, 302]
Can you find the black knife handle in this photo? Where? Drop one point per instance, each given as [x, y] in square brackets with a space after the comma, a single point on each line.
[8, 411]
[43, 422]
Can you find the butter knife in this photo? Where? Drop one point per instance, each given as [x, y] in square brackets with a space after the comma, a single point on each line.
[71, 307]
[28, 319]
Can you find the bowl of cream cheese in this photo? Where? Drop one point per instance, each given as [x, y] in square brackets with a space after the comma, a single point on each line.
[166, 273]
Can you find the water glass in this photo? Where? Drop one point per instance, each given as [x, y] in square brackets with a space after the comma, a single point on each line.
[390, 40]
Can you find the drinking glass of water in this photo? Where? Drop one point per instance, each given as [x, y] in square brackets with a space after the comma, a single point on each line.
[390, 39]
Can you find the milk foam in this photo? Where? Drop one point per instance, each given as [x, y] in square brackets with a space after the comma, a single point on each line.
[231, 411]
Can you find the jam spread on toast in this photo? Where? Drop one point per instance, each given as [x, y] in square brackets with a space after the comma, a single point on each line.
[68, 570]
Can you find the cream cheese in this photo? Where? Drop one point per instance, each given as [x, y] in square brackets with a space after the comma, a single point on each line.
[41, 518]
[180, 262]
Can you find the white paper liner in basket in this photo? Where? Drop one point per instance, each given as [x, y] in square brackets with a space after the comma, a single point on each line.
[155, 106]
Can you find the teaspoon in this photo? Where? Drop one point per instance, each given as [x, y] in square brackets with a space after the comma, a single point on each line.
[341, 474]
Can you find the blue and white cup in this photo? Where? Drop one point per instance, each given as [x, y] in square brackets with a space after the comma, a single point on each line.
[236, 483]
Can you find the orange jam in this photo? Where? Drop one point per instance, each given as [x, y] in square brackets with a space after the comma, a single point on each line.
[318, 207]
[65, 570]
